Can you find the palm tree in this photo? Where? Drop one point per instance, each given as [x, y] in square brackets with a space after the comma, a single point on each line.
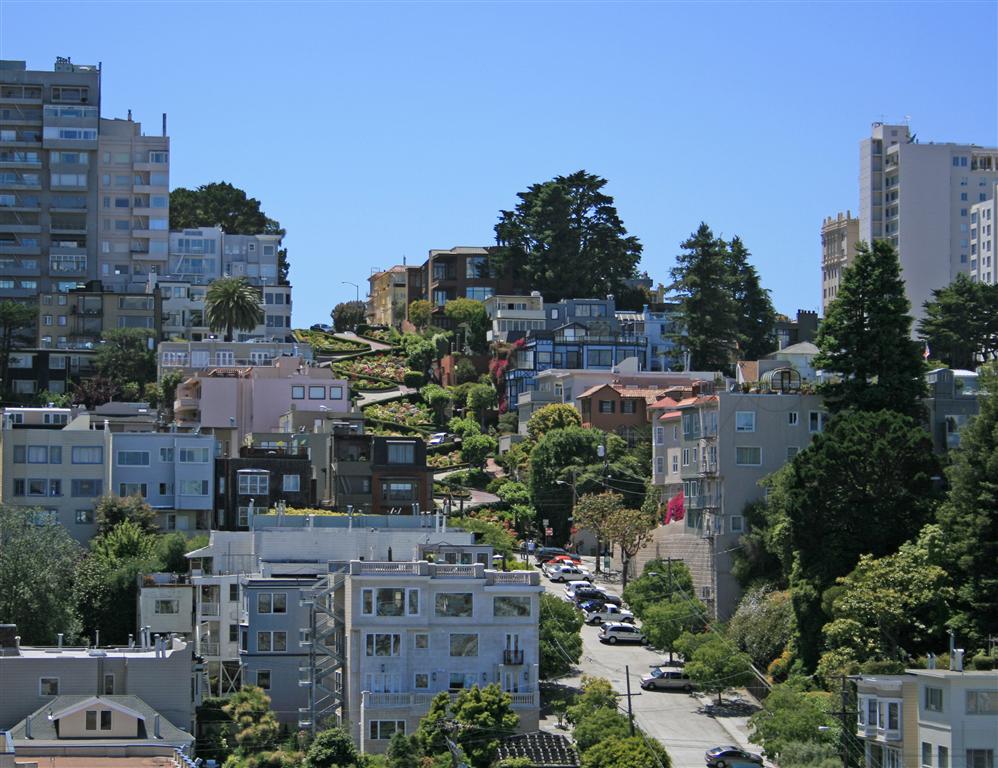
[232, 304]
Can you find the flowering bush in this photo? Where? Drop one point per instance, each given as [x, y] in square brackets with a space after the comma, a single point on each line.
[437, 460]
[389, 367]
[400, 412]
[327, 344]
[371, 385]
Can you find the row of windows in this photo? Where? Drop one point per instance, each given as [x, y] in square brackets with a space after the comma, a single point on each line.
[316, 392]
[388, 644]
[397, 601]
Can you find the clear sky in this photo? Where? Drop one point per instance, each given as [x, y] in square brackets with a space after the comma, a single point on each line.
[377, 130]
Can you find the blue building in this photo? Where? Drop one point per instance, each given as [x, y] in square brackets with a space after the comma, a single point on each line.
[657, 324]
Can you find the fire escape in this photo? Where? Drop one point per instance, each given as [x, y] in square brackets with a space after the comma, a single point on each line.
[325, 638]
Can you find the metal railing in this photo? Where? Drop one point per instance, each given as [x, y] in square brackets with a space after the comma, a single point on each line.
[511, 656]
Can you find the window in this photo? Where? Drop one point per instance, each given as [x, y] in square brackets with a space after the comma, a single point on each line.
[744, 421]
[84, 517]
[816, 421]
[382, 730]
[926, 755]
[194, 455]
[133, 489]
[263, 679]
[660, 465]
[398, 490]
[401, 453]
[87, 454]
[511, 606]
[737, 524]
[390, 601]
[166, 455]
[91, 720]
[316, 393]
[133, 458]
[254, 484]
[421, 641]
[291, 483]
[233, 593]
[464, 644]
[193, 488]
[384, 644]
[659, 435]
[478, 293]
[792, 419]
[164, 607]
[109, 684]
[980, 758]
[280, 642]
[893, 715]
[603, 357]
[454, 604]
[982, 703]
[48, 686]
[263, 642]
[629, 405]
[336, 393]
[748, 456]
[933, 699]
[942, 757]
[607, 406]
[421, 681]
[675, 462]
[233, 633]
[38, 454]
[297, 392]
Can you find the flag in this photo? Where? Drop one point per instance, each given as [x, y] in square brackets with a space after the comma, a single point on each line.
[925, 352]
[675, 509]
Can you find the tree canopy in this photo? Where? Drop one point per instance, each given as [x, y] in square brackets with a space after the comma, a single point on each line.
[232, 304]
[14, 317]
[420, 312]
[127, 355]
[755, 322]
[552, 416]
[559, 640]
[715, 666]
[347, 315]
[960, 324]
[565, 239]
[470, 323]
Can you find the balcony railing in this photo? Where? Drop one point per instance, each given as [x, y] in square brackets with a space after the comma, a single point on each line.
[704, 501]
[208, 649]
[520, 700]
[210, 609]
[510, 656]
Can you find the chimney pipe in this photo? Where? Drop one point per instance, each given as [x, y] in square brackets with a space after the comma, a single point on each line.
[129, 115]
[957, 663]
[164, 125]
[27, 727]
[60, 639]
[156, 727]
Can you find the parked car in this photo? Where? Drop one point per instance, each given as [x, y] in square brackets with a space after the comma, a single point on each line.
[594, 593]
[567, 559]
[731, 757]
[569, 573]
[437, 438]
[607, 612]
[544, 554]
[667, 679]
[573, 587]
[614, 632]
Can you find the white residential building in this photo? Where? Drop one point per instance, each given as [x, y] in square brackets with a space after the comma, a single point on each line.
[983, 256]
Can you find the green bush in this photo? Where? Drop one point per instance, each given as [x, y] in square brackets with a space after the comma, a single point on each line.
[413, 379]
[982, 662]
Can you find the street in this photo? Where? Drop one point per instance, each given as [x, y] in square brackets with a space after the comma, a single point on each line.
[674, 718]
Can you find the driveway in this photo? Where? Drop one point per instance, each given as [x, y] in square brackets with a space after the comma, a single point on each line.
[676, 719]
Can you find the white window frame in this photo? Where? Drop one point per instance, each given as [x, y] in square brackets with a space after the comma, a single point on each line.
[793, 418]
[740, 416]
[41, 680]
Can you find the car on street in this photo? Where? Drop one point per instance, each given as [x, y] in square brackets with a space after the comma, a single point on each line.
[613, 633]
[544, 554]
[607, 612]
[667, 679]
[438, 438]
[584, 594]
[569, 573]
[561, 560]
[731, 757]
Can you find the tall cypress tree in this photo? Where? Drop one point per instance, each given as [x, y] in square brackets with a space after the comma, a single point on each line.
[756, 318]
[708, 326]
[866, 338]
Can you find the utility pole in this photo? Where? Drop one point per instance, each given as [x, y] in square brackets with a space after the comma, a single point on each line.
[847, 718]
[630, 709]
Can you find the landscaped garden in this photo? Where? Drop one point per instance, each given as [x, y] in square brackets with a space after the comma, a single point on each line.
[400, 412]
[324, 343]
[388, 367]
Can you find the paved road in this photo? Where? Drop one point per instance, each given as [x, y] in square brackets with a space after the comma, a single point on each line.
[674, 718]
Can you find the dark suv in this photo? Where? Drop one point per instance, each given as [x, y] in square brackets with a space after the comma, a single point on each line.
[544, 554]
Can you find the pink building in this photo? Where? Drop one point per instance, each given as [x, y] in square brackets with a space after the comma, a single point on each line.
[231, 403]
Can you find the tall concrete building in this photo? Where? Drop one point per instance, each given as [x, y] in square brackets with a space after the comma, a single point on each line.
[983, 217]
[918, 196]
[49, 124]
[839, 236]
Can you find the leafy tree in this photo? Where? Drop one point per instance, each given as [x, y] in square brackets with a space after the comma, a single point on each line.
[632, 752]
[756, 318]
[484, 716]
[127, 355]
[476, 449]
[631, 529]
[594, 510]
[172, 549]
[232, 304]
[401, 752]
[463, 427]
[256, 727]
[420, 312]
[419, 352]
[112, 510]
[37, 570]
[790, 716]
[509, 423]
[663, 623]
[332, 748]
[481, 399]
[559, 638]
[439, 400]
[472, 315]
[763, 624]
[347, 315]
[430, 737]
[960, 324]
[465, 371]
[707, 318]
[552, 416]
[969, 519]
[597, 693]
[227, 206]
[600, 724]
[865, 466]
[660, 580]
[95, 390]
[763, 558]
[565, 239]
[715, 666]
[865, 338]
[14, 317]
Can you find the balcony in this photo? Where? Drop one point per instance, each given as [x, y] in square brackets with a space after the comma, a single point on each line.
[520, 700]
[186, 404]
[210, 609]
[209, 650]
[510, 657]
[704, 501]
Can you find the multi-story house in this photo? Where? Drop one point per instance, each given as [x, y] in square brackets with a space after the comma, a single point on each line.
[618, 408]
[258, 480]
[460, 272]
[951, 402]
[187, 357]
[513, 317]
[76, 319]
[729, 442]
[166, 605]
[33, 371]
[928, 718]
[390, 293]
[983, 258]
[667, 441]
[918, 196]
[49, 123]
[658, 325]
[839, 238]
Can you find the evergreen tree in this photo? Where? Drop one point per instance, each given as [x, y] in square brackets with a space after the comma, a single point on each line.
[969, 520]
[707, 317]
[866, 338]
[960, 324]
[756, 318]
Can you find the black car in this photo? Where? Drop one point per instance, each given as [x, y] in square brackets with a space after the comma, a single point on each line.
[544, 554]
[723, 757]
[595, 595]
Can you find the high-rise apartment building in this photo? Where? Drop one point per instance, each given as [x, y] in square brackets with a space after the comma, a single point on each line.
[49, 123]
[918, 196]
[983, 217]
[839, 236]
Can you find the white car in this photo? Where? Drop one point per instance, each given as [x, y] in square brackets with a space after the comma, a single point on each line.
[438, 439]
[614, 633]
[574, 585]
[569, 573]
[609, 613]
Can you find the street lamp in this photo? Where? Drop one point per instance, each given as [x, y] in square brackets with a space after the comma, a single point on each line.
[356, 288]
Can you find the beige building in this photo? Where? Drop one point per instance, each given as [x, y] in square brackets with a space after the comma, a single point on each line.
[76, 319]
[839, 236]
[983, 259]
[390, 292]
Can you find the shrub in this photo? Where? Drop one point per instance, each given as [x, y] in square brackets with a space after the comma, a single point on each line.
[413, 379]
[983, 662]
[465, 372]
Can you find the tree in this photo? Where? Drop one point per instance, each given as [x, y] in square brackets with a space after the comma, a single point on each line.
[866, 466]
[763, 624]
[716, 666]
[419, 352]
[632, 752]
[14, 317]
[127, 355]
[37, 569]
[565, 239]
[256, 727]
[400, 752]
[960, 324]
[470, 320]
[663, 623]
[707, 317]
[598, 725]
[332, 748]
[969, 519]
[420, 312]
[430, 738]
[790, 716]
[347, 315]
[484, 716]
[222, 204]
[232, 304]
[465, 371]
[865, 338]
[597, 693]
[439, 400]
[476, 449]
[559, 638]
[112, 510]
[481, 399]
[95, 390]
[631, 529]
[756, 318]
[660, 580]
[594, 510]
[552, 416]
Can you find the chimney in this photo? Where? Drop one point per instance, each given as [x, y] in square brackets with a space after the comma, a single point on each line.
[27, 727]
[59, 636]
[956, 663]
[164, 125]
[129, 115]
[155, 727]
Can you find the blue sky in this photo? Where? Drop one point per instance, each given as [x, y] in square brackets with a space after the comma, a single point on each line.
[377, 130]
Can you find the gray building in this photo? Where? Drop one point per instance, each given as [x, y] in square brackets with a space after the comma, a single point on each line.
[951, 402]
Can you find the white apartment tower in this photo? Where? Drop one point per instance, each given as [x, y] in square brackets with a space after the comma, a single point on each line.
[839, 236]
[983, 218]
[918, 196]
